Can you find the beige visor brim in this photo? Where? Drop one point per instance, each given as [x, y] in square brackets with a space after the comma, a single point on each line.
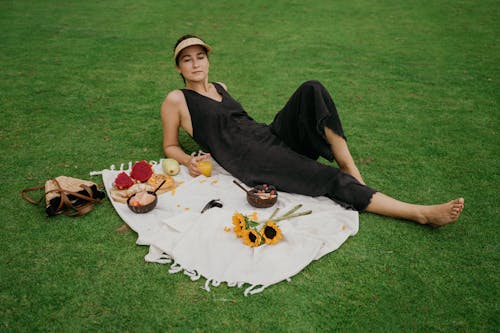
[190, 42]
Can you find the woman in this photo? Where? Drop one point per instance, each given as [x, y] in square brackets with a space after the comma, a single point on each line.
[284, 153]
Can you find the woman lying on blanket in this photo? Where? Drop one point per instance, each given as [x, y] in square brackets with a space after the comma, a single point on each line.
[283, 153]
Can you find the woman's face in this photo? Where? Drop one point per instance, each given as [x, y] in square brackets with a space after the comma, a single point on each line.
[193, 63]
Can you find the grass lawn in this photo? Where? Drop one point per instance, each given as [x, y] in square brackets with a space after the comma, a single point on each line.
[416, 84]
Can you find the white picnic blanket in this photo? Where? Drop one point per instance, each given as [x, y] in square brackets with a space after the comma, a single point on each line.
[178, 234]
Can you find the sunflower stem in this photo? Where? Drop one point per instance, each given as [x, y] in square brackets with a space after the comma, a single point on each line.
[273, 214]
[291, 211]
[291, 216]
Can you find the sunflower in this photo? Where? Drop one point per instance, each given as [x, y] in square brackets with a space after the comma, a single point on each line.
[239, 224]
[238, 219]
[271, 233]
[251, 237]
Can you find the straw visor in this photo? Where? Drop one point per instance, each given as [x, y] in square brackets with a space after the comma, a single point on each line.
[190, 42]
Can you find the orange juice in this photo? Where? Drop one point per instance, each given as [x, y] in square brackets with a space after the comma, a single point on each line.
[205, 167]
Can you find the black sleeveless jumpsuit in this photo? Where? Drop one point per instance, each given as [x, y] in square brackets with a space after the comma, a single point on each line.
[284, 153]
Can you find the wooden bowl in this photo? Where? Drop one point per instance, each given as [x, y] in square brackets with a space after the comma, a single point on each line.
[143, 209]
[258, 202]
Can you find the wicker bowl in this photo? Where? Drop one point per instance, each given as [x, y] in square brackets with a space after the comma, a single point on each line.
[258, 202]
[143, 209]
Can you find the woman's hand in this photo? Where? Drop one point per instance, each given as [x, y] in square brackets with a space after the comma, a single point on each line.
[192, 164]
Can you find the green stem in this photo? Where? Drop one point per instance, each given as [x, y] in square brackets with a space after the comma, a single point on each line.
[290, 211]
[291, 216]
[273, 214]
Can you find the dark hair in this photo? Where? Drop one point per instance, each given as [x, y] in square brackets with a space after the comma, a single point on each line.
[184, 38]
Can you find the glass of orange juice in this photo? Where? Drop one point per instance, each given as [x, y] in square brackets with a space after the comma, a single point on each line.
[205, 167]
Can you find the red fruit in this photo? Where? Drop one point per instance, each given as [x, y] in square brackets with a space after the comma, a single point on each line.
[141, 171]
[123, 181]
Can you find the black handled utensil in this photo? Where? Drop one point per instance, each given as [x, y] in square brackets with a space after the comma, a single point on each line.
[211, 204]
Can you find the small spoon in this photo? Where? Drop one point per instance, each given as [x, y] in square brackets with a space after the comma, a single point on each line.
[240, 186]
[163, 182]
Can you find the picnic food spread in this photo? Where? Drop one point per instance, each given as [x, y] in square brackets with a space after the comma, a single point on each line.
[139, 188]
[141, 180]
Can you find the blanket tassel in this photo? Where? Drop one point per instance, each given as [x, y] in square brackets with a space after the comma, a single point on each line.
[206, 287]
[193, 275]
[253, 290]
[113, 167]
[158, 256]
[175, 268]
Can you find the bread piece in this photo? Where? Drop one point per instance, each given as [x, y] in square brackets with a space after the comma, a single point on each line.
[123, 195]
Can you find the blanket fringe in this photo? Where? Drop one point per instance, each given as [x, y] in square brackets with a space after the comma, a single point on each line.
[157, 256]
[254, 290]
[206, 286]
[175, 268]
[112, 167]
[193, 275]
[235, 284]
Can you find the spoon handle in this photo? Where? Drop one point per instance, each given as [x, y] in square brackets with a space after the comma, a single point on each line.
[240, 186]
[163, 182]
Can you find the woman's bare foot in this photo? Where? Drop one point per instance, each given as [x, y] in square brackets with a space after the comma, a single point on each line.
[440, 215]
[433, 215]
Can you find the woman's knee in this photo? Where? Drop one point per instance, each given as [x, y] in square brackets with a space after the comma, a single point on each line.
[314, 88]
[315, 84]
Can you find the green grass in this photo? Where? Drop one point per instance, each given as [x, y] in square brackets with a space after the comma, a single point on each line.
[416, 83]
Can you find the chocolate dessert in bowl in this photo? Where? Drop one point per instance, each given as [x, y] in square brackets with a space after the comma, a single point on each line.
[260, 196]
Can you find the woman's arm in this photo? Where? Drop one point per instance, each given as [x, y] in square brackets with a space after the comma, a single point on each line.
[174, 114]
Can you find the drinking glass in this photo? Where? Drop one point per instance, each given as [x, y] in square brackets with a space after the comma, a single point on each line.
[205, 167]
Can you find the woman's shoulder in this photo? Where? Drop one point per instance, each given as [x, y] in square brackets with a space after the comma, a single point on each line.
[174, 100]
[175, 96]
